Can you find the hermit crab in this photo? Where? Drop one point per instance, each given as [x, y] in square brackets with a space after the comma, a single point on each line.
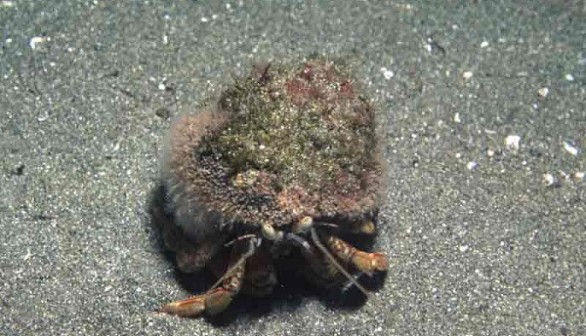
[287, 162]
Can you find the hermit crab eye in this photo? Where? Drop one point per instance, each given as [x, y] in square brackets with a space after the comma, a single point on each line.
[367, 227]
[303, 225]
[269, 232]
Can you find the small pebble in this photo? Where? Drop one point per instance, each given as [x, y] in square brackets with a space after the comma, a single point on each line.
[6, 3]
[163, 112]
[548, 179]
[388, 74]
[570, 149]
[512, 141]
[37, 40]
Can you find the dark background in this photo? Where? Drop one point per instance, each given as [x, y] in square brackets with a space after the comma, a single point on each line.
[485, 238]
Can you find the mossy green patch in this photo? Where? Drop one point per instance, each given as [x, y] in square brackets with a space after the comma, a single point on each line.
[306, 125]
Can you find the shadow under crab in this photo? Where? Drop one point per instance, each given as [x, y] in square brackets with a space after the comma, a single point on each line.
[286, 169]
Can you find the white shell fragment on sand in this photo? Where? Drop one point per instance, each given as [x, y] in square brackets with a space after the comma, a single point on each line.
[512, 142]
[570, 149]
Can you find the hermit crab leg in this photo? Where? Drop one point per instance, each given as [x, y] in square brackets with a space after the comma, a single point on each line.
[314, 259]
[365, 227]
[260, 277]
[334, 262]
[217, 298]
[365, 262]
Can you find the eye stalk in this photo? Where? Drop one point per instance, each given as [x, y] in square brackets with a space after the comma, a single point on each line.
[269, 232]
[303, 225]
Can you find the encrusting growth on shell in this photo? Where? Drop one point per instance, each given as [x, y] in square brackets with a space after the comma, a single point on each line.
[299, 138]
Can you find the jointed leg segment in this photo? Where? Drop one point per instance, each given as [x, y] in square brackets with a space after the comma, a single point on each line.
[216, 299]
[363, 261]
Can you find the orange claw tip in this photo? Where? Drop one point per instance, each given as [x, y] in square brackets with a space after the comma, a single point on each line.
[380, 262]
[372, 262]
[190, 307]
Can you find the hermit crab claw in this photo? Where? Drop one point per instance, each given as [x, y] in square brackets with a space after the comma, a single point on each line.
[211, 302]
[219, 297]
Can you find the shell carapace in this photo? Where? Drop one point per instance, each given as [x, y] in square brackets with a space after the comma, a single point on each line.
[287, 159]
